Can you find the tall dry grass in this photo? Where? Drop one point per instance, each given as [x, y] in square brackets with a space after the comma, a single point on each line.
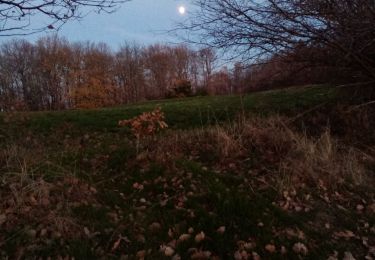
[291, 156]
[33, 201]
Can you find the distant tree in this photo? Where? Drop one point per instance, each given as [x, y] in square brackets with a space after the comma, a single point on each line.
[93, 84]
[194, 70]
[181, 88]
[53, 74]
[220, 83]
[158, 67]
[207, 58]
[238, 78]
[129, 73]
[16, 15]
[20, 63]
[54, 57]
[180, 59]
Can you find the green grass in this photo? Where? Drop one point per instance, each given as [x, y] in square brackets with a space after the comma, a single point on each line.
[188, 112]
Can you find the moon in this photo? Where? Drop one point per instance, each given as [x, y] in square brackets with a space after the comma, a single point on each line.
[182, 10]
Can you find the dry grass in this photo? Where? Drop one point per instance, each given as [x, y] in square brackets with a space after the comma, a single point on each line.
[36, 206]
[294, 158]
[324, 160]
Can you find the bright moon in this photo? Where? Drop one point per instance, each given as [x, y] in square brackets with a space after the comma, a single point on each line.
[181, 10]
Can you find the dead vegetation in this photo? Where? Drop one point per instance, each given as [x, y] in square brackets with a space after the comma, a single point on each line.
[268, 143]
[35, 204]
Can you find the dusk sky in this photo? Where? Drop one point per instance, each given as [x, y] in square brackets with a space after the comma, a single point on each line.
[140, 21]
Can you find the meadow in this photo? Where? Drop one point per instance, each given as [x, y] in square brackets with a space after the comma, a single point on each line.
[281, 174]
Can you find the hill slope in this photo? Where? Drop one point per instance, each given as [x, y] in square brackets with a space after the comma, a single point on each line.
[231, 178]
[191, 112]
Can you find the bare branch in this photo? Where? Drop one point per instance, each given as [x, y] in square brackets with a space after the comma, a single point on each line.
[259, 29]
[16, 15]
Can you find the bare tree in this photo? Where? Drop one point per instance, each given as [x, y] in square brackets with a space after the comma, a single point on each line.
[158, 69]
[53, 74]
[16, 15]
[207, 57]
[129, 66]
[258, 29]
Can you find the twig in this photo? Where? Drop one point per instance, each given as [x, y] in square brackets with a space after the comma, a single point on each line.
[361, 105]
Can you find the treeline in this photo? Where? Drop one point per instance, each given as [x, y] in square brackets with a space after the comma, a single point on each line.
[54, 74]
[303, 64]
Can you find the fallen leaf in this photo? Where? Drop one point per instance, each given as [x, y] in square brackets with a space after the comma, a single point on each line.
[256, 256]
[221, 230]
[154, 227]
[237, 255]
[360, 207]
[300, 248]
[200, 237]
[87, 231]
[348, 256]
[3, 219]
[170, 232]
[184, 237]
[270, 248]
[141, 254]
[347, 234]
[116, 244]
[168, 251]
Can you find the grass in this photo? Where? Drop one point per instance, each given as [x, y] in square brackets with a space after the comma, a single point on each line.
[188, 112]
[73, 184]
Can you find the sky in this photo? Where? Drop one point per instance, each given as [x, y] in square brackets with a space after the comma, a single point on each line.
[140, 21]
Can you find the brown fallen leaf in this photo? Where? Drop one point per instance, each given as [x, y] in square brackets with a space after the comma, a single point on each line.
[300, 248]
[169, 251]
[237, 255]
[347, 234]
[184, 237]
[270, 248]
[348, 256]
[116, 244]
[221, 230]
[200, 237]
[87, 231]
[154, 227]
[3, 219]
[141, 254]
[256, 256]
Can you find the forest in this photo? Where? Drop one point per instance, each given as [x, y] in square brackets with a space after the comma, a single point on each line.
[53, 74]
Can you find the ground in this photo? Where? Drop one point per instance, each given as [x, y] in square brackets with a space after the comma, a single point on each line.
[283, 174]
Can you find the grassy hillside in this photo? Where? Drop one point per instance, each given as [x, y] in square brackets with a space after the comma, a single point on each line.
[189, 112]
[231, 178]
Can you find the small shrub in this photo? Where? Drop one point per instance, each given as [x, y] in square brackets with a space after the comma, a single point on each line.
[182, 88]
[146, 124]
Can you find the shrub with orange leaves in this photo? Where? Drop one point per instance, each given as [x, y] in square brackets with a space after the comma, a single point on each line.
[146, 124]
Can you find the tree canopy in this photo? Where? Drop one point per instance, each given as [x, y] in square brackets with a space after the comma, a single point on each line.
[254, 29]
